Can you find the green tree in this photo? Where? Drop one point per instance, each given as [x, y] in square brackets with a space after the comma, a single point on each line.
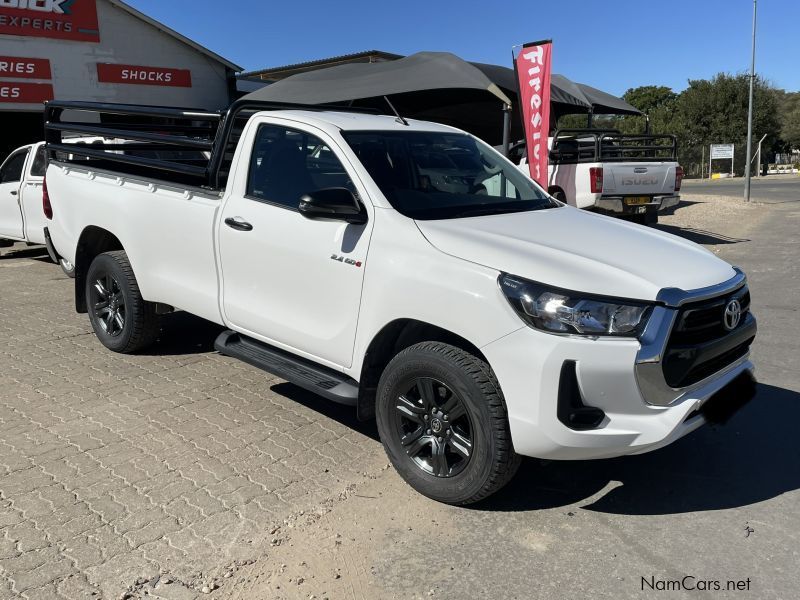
[789, 106]
[649, 98]
[715, 111]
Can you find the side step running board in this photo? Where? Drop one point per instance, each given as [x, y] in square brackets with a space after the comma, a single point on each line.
[326, 382]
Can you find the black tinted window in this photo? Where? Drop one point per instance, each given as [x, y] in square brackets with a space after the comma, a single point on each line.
[12, 169]
[286, 164]
[39, 165]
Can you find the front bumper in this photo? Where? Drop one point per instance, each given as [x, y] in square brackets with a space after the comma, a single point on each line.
[621, 377]
[617, 205]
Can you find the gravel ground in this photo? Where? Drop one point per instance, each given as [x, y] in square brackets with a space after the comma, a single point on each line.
[713, 220]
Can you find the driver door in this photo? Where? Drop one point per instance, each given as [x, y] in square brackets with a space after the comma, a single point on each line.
[287, 280]
[10, 181]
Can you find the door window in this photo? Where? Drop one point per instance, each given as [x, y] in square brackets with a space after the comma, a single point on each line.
[286, 164]
[11, 171]
[39, 163]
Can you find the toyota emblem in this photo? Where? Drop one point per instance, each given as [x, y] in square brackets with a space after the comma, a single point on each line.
[733, 314]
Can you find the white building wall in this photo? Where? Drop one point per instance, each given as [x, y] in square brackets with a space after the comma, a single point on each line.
[124, 39]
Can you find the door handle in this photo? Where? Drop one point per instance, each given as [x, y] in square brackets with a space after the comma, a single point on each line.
[14, 192]
[238, 224]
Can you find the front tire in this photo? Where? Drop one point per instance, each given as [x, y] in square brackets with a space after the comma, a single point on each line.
[122, 320]
[443, 423]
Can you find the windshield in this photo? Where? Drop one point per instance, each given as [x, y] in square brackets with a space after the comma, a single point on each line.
[437, 175]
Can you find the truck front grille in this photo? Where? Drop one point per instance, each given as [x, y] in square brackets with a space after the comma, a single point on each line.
[703, 321]
[700, 344]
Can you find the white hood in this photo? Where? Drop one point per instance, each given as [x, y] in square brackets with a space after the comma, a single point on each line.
[581, 251]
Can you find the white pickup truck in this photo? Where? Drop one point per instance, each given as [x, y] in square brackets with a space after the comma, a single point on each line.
[22, 214]
[22, 207]
[365, 257]
[630, 176]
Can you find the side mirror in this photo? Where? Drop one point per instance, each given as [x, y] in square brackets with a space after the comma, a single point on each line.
[336, 204]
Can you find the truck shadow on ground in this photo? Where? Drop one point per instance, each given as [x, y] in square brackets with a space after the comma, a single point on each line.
[752, 458]
[346, 415]
[16, 252]
[183, 333]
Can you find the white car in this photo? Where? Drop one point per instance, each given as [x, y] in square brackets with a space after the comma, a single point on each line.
[408, 269]
[22, 214]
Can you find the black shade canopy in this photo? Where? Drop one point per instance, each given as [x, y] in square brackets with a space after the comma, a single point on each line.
[424, 71]
[436, 86]
[606, 104]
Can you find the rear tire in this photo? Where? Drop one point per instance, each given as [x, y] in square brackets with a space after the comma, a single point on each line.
[122, 320]
[442, 419]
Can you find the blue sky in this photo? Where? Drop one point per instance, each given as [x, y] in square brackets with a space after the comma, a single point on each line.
[611, 44]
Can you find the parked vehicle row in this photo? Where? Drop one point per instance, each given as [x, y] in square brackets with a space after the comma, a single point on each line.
[405, 268]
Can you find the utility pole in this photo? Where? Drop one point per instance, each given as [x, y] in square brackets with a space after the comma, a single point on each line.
[749, 157]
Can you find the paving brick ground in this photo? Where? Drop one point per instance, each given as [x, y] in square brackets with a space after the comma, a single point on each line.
[118, 468]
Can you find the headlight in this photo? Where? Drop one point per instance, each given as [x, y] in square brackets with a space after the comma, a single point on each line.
[561, 311]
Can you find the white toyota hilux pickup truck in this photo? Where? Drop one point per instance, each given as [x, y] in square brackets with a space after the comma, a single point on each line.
[405, 268]
[630, 176]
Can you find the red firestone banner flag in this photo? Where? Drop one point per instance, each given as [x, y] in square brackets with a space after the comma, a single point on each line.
[533, 77]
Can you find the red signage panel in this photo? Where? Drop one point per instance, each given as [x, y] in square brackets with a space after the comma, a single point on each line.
[17, 67]
[533, 78]
[25, 93]
[137, 75]
[58, 19]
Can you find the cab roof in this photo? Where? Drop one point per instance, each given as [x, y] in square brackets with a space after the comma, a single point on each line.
[356, 121]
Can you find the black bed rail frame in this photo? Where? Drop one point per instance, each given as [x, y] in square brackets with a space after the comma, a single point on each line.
[160, 128]
[609, 145]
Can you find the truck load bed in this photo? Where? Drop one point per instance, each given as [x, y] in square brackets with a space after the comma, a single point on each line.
[177, 145]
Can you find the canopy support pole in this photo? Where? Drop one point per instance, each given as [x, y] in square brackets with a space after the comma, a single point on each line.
[589, 118]
[506, 129]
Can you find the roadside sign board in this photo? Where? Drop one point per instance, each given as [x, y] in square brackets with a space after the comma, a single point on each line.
[721, 151]
[16, 67]
[25, 93]
[137, 75]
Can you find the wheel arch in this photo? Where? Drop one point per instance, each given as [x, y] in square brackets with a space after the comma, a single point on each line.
[92, 242]
[392, 339]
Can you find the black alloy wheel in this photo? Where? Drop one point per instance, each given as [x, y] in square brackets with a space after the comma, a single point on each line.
[434, 427]
[108, 303]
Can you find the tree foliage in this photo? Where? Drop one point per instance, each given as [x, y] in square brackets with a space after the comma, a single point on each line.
[789, 106]
[711, 111]
[715, 112]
